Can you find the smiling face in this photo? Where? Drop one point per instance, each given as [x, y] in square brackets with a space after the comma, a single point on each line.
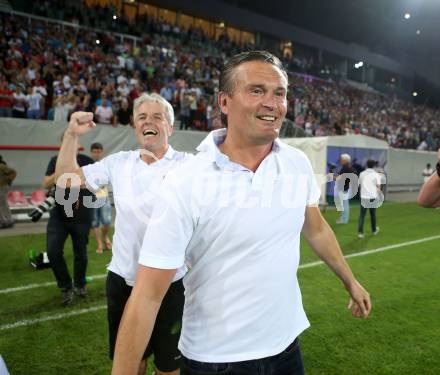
[152, 127]
[257, 105]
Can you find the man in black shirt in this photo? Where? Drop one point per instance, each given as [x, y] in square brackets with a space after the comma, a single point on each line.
[59, 227]
[123, 116]
[346, 173]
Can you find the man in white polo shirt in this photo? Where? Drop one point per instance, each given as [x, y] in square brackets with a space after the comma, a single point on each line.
[135, 177]
[234, 214]
[370, 182]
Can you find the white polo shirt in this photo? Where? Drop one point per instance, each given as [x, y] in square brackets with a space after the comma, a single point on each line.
[135, 185]
[369, 182]
[239, 233]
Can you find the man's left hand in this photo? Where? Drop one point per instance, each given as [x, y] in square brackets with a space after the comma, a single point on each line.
[360, 303]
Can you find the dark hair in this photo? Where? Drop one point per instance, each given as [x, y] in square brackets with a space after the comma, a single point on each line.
[96, 146]
[226, 80]
[371, 163]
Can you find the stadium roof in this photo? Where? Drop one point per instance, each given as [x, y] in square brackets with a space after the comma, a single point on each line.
[377, 24]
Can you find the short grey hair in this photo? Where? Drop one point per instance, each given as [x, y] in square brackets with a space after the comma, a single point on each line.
[145, 98]
[346, 157]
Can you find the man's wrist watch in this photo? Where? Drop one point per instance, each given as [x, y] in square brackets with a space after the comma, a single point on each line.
[437, 168]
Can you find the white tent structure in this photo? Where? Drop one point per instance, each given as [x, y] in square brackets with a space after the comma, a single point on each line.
[316, 148]
[324, 150]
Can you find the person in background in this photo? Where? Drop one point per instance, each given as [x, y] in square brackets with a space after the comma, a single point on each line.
[102, 216]
[19, 107]
[7, 175]
[427, 172]
[370, 183]
[123, 115]
[6, 99]
[104, 113]
[33, 102]
[342, 178]
[62, 225]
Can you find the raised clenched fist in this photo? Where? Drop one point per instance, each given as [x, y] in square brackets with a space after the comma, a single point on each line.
[81, 123]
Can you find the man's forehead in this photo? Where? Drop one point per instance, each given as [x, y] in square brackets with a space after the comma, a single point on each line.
[259, 71]
[150, 108]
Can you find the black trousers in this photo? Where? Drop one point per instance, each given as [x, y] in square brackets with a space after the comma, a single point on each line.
[166, 332]
[288, 362]
[362, 215]
[57, 233]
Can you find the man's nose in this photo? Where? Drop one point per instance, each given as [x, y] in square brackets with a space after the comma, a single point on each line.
[269, 101]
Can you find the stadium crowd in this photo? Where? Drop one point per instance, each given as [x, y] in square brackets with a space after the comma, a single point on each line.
[49, 70]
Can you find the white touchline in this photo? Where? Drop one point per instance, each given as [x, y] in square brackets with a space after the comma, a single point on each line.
[28, 322]
[307, 265]
[378, 250]
[40, 285]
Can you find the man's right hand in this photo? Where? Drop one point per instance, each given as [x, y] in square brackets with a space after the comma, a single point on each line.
[80, 123]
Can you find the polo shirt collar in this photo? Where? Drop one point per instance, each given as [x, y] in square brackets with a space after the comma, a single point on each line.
[210, 150]
[169, 155]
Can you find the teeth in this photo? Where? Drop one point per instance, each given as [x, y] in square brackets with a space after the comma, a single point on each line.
[149, 132]
[267, 118]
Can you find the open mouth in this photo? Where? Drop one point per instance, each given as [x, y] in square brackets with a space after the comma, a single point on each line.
[267, 118]
[149, 132]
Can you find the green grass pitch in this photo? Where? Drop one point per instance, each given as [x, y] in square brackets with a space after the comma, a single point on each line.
[402, 335]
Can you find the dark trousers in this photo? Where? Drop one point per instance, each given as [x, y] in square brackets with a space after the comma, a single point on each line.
[362, 215]
[184, 122]
[57, 233]
[288, 362]
[166, 332]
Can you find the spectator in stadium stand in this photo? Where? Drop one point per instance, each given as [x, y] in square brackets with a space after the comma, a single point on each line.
[167, 92]
[429, 195]
[33, 103]
[7, 176]
[124, 115]
[370, 183]
[123, 89]
[400, 123]
[63, 106]
[103, 96]
[6, 99]
[19, 106]
[343, 183]
[135, 177]
[104, 113]
[233, 322]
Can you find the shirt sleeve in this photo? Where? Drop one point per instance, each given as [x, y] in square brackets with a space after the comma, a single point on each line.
[170, 228]
[98, 174]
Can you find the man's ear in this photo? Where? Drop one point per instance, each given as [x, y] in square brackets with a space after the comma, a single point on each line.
[222, 100]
